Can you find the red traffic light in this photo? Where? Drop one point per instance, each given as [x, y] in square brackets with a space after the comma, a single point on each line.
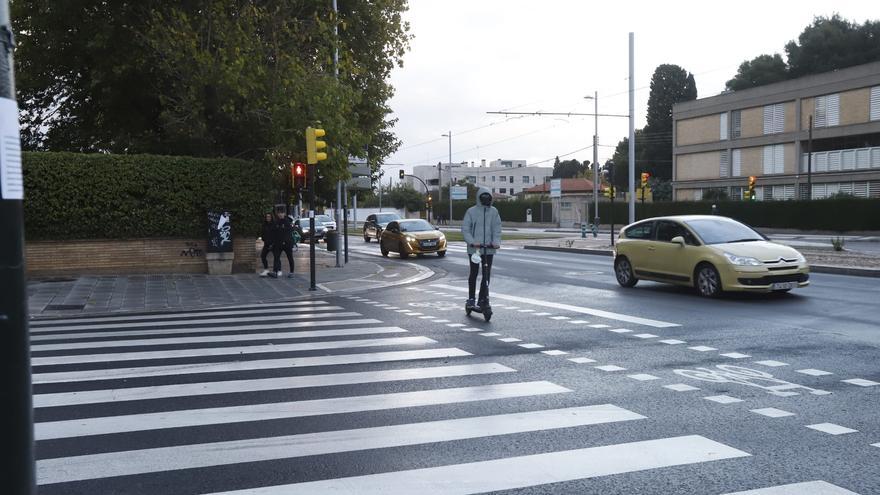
[299, 169]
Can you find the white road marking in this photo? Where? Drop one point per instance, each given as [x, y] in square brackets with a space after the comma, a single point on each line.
[643, 377]
[455, 325]
[441, 321]
[415, 314]
[831, 428]
[702, 348]
[672, 341]
[861, 382]
[520, 472]
[560, 318]
[645, 336]
[281, 410]
[531, 346]
[471, 329]
[807, 488]
[227, 351]
[814, 372]
[599, 325]
[252, 385]
[735, 355]
[554, 352]
[510, 339]
[610, 367]
[680, 387]
[178, 331]
[526, 310]
[543, 314]
[771, 363]
[512, 307]
[427, 317]
[104, 465]
[578, 322]
[582, 360]
[772, 412]
[234, 366]
[490, 334]
[619, 330]
[723, 399]
[576, 309]
[218, 338]
[530, 261]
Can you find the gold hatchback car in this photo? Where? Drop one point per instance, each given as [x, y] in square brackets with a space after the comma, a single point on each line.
[412, 236]
[711, 253]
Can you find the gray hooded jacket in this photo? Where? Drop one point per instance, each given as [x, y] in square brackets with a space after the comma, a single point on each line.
[481, 225]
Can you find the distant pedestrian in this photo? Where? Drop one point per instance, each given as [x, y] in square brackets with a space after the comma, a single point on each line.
[267, 234]
[283, 242]
[481, 229]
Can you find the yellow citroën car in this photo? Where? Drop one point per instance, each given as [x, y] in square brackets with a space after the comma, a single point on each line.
[711, 253]
[412, 236]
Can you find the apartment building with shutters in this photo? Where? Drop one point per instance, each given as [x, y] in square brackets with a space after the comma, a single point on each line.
[718, 142]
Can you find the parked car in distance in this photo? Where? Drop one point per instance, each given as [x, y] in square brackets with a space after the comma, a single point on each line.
[412, 236]
[376, 223]
[709, 252]
[323, 223]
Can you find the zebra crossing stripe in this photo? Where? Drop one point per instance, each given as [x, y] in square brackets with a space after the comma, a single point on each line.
[179, 323]
[172, 316]
[178, 331]
[283, 410]
[809, 487]
[226, 351]
[519, 472]
[255, 385]
[284, 363]
[67, 469]
[217, 338]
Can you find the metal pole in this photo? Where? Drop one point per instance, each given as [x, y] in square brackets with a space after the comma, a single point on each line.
[810, 161]
[312, 173]
[18, 448]
[336, 214]
[449, 218]
[596, 160]
[632, 132]
[336, 40]
[345, 219]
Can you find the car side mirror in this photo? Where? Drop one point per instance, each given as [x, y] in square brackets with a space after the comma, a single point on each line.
[678, 240]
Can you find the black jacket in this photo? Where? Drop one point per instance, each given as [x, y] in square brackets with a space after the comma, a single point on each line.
[267, 232]
[282, 231]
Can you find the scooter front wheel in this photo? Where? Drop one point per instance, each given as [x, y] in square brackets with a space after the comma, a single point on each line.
[487, 314]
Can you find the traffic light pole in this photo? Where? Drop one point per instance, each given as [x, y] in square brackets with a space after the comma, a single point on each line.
[18, 448]
[314, 171]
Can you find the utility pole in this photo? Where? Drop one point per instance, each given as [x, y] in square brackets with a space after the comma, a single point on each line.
[18, 448]
[339, 184]
[810, 161]
[632, 131]
[449, 218]
[312, 174]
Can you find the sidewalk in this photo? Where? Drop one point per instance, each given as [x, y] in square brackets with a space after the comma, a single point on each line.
[102, 294]
[822, 259]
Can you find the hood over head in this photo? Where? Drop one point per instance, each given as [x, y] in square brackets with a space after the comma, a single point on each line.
[484, 190]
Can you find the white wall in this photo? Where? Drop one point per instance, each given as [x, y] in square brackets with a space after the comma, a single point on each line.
[363, 212]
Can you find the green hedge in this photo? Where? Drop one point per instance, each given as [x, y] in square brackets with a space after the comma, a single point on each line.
[510, 211]
[99, 196]
[837, 215]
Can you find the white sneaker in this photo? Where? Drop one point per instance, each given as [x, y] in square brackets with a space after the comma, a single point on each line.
[279, 273]
[264, 273]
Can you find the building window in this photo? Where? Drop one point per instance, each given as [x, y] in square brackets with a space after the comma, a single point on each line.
[736, 193]
[511, 179]
[736, 124]
[503, 190]
[483, 178]
[493, 178]
[525, 179]
[736, 163]
[774, 159]
[724, 168]
[698, 194]
[875, 103]
[512, 192]
[774, 118]
[503, 178]
[493, 190]
[565, 205]
[722, 123]
[827, 111]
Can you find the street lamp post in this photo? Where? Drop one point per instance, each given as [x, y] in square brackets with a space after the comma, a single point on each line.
[595, 99]
[449, 172]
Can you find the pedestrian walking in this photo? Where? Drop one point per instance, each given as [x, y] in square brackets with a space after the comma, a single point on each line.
[267, 234]
[481, 229]
[284, 229]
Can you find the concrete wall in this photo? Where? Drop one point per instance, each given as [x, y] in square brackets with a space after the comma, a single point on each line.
[699, 130]
[129, 256]
[698, 166]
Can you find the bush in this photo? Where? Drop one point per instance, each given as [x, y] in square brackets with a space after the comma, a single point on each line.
[99, 196]
[510, 211]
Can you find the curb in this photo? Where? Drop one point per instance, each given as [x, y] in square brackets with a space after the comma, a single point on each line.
[835, 270]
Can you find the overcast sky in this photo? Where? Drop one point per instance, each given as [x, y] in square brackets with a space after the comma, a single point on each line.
[473, 56]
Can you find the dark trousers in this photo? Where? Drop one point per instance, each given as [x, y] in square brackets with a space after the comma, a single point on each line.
[486, 261]
[264, 254]
[288, 250]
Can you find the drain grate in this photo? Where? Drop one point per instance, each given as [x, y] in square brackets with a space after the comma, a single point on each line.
[62, 307]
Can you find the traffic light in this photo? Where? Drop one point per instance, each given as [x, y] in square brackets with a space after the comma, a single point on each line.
[401, 175]
[298, 175]
[315, 145]
[752, 180]
[645, 176]
[608, 192]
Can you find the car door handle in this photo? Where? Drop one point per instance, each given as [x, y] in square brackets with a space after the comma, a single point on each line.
[651, 249]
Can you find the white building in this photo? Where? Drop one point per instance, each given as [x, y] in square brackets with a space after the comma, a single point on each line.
[509, 179]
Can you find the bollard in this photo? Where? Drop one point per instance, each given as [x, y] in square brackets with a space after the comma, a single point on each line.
[595, 229]
[583, 231]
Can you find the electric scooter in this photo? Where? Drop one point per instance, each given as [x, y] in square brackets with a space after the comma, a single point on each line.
[482, 306]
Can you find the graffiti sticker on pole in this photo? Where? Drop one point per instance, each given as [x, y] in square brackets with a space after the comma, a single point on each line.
[11, 179]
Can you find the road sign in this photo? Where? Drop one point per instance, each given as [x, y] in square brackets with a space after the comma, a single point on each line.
[459, 193]
[555, 188]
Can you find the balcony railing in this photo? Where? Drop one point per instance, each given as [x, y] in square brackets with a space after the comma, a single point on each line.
[843, 160]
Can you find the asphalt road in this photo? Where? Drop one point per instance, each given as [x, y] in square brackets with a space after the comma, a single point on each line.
[575, 386]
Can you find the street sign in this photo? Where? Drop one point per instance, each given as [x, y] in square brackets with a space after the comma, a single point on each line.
[359, 183]
[555, 188]
[459, 193]
[358, 167]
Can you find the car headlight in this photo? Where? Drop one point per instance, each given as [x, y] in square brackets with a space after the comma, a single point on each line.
[410, 238]
[800, 258]
[742, 260]
[442, 237]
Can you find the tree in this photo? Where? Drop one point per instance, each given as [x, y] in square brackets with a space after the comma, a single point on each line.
[670, 84]
[569, 168]
[763, 69]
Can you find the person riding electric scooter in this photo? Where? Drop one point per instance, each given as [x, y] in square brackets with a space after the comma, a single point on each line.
[481, 229]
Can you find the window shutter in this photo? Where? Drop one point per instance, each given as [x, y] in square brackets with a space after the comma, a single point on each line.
[736, 117]
[819, 113]
[768, 160]
[832, 110]
[779, 118]
[875, 103]
[768, 119]
[737, 163]
[722, 123]
[725, 164]
[779, 159]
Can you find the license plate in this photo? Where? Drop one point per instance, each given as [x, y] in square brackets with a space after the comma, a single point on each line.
[784, 285]
[429, 243]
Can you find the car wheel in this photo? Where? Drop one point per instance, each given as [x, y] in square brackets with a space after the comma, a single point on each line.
[366, 237]
[384, 251]
[402, 252]
[708, 282]
[624, 272]
[441, 254]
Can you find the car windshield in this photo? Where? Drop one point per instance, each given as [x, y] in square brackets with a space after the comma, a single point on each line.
[720, 231]
[323, 218]
[415, 226]
[388, 217]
